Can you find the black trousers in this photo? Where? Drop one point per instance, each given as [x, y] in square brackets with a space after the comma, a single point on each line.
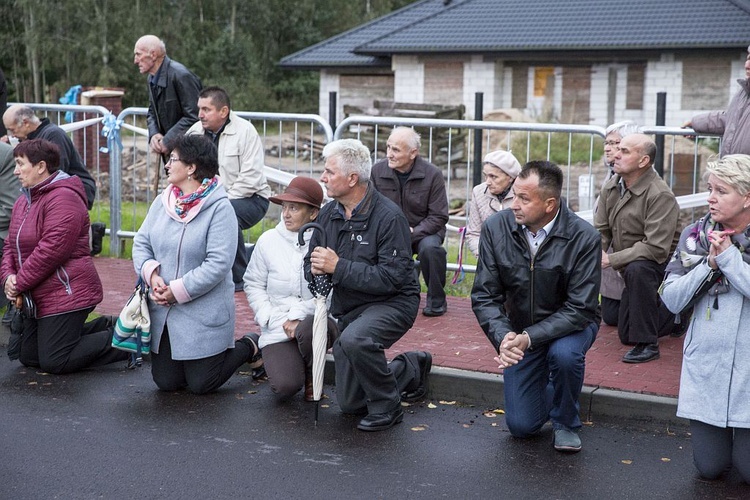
[433, 262]
[64, 343]
[643, 317]
[198, 376]
[364, 378]
[249, 212]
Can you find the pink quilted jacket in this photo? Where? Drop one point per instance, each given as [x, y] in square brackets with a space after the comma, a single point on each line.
[48, 247]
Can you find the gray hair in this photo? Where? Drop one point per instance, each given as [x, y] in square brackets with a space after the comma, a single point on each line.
[413, 139]
[22, 112]
[734, 170]
[623, 128]
[353, 157]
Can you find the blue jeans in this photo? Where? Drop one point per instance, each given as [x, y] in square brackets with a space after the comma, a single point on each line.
[546, 384]
[249, 212]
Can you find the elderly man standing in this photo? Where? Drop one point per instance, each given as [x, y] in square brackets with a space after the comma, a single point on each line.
[173, 93]
[240, 166]
[417, 186]
[536, 296]
[23, 124]
[637, 216]
[375, 295]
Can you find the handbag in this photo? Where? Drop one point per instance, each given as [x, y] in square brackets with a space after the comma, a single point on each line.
[133, 328]
[24, 307]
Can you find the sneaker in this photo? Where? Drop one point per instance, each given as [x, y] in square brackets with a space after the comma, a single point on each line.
[567, 441]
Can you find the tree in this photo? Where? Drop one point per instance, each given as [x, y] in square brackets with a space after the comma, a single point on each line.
[47, 46]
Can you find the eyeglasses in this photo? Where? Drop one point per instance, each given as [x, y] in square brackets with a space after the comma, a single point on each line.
[173, 159]
[611, 143]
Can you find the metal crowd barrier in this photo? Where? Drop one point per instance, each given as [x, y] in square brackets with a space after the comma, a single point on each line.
[294, 142]
[296, 137]
[577, 149]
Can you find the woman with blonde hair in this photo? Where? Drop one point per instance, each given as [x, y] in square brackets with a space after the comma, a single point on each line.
[710, 272]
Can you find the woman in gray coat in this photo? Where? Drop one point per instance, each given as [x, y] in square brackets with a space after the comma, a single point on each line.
[183, 253]
[710, 270]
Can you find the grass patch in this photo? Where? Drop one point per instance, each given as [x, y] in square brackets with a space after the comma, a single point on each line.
[133, 215]
[539, 143]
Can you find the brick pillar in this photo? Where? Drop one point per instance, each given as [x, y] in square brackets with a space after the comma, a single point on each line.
[88, 140]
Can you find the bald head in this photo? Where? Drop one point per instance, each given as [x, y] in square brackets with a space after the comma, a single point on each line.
[644, 144]
[149, 53]
[634, 157]
[20, 121]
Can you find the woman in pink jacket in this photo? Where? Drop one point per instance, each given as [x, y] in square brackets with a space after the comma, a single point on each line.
[46, 259]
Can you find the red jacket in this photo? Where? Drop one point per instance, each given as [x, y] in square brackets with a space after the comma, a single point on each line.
[48, 247]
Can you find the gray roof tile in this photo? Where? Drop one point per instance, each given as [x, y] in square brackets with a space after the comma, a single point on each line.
[339, 50]
[486, 26]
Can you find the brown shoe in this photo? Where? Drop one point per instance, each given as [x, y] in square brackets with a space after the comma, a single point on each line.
[309, 395]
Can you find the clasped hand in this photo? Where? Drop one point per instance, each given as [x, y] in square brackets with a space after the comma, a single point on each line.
[720, 241]
[10, 287]
[511, 350]
[161, 293]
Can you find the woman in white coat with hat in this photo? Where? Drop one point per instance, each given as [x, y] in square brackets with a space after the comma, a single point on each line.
[277, 291]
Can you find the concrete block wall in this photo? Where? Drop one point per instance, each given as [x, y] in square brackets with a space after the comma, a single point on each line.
[329, 82]
[495, 81]
[409, 79]
[480, 76]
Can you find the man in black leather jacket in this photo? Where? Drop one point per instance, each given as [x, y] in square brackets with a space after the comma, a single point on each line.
[536, 296]
[173, 93]
[375, 295]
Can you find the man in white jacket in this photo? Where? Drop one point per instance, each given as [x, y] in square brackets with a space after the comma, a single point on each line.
[240, 165]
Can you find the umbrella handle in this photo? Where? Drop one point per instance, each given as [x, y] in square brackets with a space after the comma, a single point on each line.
[311, 225]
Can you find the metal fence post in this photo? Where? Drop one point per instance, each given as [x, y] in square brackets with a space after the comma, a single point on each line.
[661, 114]
[332, 109]
[115, 199]
[478, 116]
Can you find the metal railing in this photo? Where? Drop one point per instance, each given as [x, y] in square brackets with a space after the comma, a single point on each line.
[577, 149]
[295, 137]
[293, 144]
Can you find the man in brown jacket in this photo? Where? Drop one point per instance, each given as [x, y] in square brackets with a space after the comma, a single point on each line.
[637, 217]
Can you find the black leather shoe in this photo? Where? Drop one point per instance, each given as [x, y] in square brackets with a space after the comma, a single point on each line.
[642, 353]
[98, 230]
[435, 311]
[425, 365]
[381, 421]
[256, 358]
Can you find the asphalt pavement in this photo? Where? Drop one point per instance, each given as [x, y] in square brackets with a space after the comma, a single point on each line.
[108, 433]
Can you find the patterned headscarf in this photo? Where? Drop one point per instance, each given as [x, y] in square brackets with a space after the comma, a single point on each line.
[694, 246]
[183, 203]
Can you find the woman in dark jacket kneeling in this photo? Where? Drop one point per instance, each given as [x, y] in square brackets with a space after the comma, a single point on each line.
[46, 258]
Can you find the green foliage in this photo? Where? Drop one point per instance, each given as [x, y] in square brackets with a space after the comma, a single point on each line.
[47, 46]
[133, 214]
